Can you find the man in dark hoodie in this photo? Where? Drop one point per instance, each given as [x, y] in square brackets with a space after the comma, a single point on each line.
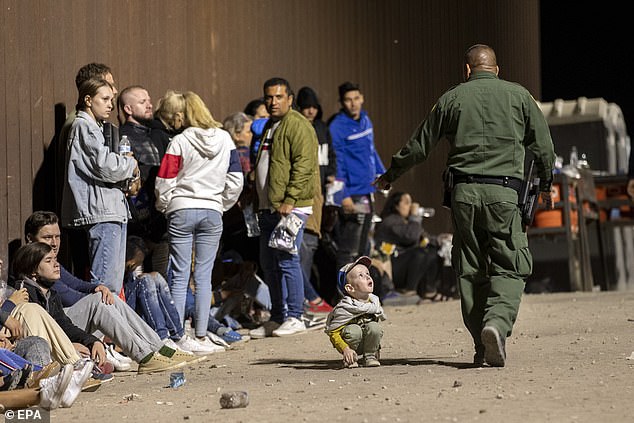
[308, 105]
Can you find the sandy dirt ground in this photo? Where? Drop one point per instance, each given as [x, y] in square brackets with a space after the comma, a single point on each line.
[567, 362]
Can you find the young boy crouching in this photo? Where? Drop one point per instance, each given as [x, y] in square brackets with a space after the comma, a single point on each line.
[353, 325]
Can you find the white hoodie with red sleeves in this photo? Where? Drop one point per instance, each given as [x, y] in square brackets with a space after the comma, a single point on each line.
[200, 170]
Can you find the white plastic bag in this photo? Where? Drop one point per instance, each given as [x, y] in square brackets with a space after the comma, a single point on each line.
[285, 233]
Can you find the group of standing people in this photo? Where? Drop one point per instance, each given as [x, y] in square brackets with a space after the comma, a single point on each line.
[193, 171]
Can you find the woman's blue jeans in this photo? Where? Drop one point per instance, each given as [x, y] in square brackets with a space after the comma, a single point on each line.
[194, 231]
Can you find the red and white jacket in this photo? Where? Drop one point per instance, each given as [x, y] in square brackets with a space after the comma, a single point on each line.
[200, 170]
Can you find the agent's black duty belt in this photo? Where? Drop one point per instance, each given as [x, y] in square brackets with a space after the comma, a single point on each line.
[505, 181]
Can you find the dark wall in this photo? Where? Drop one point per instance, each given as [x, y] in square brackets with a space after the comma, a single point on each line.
[403, 53]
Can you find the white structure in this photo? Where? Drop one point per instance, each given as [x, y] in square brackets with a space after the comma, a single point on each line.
[588, 110]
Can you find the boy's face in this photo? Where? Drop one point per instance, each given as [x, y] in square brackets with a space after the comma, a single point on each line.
[360, 284]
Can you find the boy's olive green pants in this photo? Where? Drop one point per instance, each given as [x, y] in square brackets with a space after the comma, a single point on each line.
[364, 336]
[490, 256]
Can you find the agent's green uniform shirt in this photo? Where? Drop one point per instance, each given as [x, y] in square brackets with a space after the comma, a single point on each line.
[488, 123]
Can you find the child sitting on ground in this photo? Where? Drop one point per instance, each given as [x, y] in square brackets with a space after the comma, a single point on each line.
[353, 325]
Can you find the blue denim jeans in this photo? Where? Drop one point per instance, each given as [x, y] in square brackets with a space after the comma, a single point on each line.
[197, 231]
[282, 271]
[310, 242]
[106, 242]
[31, 349]
[150, 296]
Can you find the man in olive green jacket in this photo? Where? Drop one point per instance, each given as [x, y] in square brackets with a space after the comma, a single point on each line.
[489, 123]
[286, 176]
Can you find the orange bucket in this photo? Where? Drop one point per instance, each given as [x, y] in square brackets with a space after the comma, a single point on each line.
[554, 218]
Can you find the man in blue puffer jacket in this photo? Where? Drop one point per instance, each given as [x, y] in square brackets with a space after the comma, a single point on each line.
[358, 165]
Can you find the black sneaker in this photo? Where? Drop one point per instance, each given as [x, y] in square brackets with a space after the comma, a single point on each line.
[494, 352]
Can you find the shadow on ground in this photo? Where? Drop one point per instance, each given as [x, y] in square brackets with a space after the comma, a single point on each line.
[336, 364]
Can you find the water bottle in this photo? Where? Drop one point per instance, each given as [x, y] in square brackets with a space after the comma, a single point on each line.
[177, 379]
[251, 221]
[236, 399]
[124, 146]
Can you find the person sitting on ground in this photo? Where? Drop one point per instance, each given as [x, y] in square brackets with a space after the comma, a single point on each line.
[31, 348]
[353, 325]
[35, 266]
[400, 235]
[100, 310]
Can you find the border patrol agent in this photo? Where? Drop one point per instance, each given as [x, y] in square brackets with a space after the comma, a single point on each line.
[489, 123]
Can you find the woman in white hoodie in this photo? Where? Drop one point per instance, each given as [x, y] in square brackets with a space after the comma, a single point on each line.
[200, 178]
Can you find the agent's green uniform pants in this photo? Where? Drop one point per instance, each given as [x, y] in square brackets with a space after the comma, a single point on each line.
[490, 256]
[364, 336]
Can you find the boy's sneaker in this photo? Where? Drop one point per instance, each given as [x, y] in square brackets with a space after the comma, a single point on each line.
[80, 376]
[321, 307]
[314, 322]
[265, 330]
[494, 348]
[370, 360]
[291, 326]
[159, 363]
[119, 365]
[52, 389]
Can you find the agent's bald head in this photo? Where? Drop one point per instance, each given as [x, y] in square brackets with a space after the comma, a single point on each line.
[480, 57]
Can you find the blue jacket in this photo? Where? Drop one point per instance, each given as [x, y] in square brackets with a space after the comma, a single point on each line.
[71, 289]
[358, 163]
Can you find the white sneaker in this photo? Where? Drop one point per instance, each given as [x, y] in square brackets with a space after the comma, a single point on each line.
[290, 327]
[198, 346]
[79, 377]
[119, 365]
[52, 388]
[122, 358]
[265, 330]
